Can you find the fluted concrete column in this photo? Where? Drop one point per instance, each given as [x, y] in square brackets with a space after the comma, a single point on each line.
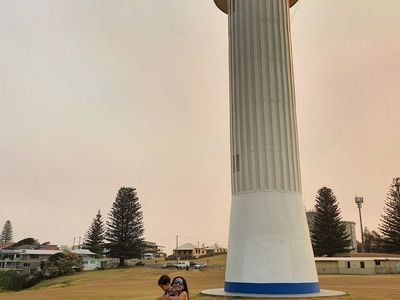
[269, 245]
[263, 118]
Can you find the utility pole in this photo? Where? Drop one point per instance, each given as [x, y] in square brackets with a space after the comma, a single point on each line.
[177, 257]
[359, 201]
[73, 244]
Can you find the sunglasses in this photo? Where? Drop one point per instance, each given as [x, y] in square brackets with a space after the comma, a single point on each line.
[178, 283]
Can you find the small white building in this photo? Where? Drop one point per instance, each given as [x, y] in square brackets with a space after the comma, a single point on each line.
[90, 262]
[358, 265]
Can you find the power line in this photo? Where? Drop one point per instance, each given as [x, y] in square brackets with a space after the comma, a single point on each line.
[203, 239]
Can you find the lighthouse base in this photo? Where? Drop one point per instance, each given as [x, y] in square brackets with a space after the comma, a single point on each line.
[269, 245]
[222, 293]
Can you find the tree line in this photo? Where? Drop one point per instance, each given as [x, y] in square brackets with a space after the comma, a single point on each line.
[121, 236]
[328, 233]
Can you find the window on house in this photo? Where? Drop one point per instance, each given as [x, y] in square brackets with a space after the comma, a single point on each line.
[362, 265]
[26, 264]
[34, 256]
[348, 265]
[377, 262]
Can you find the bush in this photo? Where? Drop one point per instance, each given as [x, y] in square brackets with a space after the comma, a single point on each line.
[63, 264]
[10, 281]
[31, 280]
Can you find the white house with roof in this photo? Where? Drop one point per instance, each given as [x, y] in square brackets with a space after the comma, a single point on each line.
[90, 262]
[215, 250]
[188, 251]
[27, 261]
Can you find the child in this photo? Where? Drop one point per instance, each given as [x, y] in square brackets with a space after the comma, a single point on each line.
[165, 284]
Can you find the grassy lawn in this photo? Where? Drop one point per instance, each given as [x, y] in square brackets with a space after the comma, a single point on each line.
[141, 283]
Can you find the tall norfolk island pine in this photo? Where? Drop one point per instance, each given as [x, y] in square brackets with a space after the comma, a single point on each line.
[94, 238]
[390, 226]
[6, 233]
[125, 226]
[328, 233]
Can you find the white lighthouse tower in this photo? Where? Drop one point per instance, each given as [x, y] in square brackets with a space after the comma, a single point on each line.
[269, 250]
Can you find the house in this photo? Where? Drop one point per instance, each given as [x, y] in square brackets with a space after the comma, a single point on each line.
[49, 247]
[27, 261]
[90, 262]
[188, 251]
[215, 250]
[152, 250]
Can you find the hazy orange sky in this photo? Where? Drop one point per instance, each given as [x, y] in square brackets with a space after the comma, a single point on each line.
[96, 95]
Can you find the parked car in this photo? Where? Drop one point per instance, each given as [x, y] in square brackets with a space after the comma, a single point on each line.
[140, 263]
[182, 265]
[148, 256]
[192, 263]
[200, 266]
[168, 265]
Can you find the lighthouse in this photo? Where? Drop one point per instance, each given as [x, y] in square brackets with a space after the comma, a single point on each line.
[269, 245]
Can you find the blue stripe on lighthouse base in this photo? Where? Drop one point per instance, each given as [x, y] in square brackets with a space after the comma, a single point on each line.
[272, 288]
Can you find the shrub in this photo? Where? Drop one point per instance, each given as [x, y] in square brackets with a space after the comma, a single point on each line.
[62, 264]
[31, 280]
[10, 281]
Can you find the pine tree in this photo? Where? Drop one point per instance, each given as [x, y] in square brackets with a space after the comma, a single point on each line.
[390, 226]
[125, 226]
[328, 232]
[94, 238]
[6, 233]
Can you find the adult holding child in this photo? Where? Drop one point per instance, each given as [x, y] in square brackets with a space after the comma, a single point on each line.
[179, 285]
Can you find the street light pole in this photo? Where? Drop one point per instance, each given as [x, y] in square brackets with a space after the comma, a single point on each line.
[359, 201]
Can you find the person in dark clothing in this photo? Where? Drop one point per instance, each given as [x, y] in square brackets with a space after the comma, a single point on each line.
[164, 282]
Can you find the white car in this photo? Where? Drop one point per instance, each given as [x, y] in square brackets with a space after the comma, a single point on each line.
[182, 265]
[200, 266]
